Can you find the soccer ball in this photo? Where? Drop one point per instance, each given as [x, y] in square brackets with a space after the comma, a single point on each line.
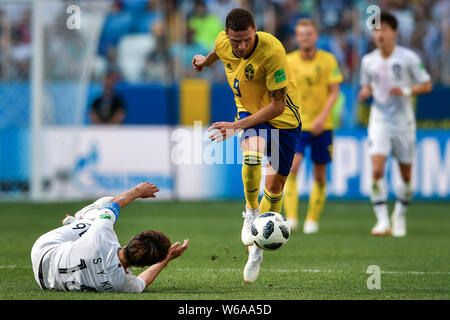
[270, 231]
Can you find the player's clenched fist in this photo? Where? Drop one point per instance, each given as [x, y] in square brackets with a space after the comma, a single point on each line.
[198, 62]
[147, 190]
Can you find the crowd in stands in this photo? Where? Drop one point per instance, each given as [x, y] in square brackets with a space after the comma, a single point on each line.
[161, 36]
[15, 42]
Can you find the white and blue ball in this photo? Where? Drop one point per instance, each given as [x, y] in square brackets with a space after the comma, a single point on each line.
[270, 231]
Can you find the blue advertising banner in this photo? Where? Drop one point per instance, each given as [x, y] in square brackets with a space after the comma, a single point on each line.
[189, 166]
[349, 174]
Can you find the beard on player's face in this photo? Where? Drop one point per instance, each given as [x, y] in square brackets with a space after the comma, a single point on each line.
[243, 41]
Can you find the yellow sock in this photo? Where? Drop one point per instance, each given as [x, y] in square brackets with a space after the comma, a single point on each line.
[271, 202]
[290, 197]
[316, 201]
[251, 177]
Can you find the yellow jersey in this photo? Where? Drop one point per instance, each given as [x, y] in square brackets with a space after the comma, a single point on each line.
[264, 69]
[314, 77]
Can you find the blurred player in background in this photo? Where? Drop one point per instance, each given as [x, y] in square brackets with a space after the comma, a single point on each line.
[85, 254]
[391, 74]
[109, 108]
[318, 75]
[267, 102]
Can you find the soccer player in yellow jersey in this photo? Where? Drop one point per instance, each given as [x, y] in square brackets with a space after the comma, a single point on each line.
[268, 119]
[318, 74]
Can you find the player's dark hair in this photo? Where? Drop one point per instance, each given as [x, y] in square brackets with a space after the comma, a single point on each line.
[147, 248]
[239, 19]
[389, 19]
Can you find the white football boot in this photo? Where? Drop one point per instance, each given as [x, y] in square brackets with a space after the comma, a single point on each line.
[310, 227]
[251, 269]
[292, 224]
[398, 225]
[381, 228]
[90, 212]
[249, 216]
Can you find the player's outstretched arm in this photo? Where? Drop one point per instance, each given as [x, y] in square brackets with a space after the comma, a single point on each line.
[199, 62]
[142, 190]
[153, 271]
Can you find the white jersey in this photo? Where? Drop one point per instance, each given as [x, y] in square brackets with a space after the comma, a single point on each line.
[401, 69]
[83, 256]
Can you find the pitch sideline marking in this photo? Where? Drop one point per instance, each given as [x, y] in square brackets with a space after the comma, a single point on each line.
[311, 271]
[275, 270]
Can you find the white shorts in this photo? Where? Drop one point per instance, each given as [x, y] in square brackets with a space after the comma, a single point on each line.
[42, 248]
[402, 144]
[56, 237]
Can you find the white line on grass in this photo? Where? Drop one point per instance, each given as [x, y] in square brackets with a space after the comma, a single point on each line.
[273, 270]
[13, 267]
[309, 271]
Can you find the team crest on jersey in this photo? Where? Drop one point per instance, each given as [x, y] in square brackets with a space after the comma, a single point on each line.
[249, 72]
[318, 73]
[228, 66]
[397, 70]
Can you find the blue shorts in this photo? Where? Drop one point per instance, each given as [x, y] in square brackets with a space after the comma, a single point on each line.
[321, 145]
[280, 143]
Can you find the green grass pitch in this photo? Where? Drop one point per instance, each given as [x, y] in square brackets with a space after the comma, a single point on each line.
[328, 265]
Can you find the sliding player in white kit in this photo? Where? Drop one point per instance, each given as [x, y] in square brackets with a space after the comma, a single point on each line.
[85, 254]
[391, 74]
